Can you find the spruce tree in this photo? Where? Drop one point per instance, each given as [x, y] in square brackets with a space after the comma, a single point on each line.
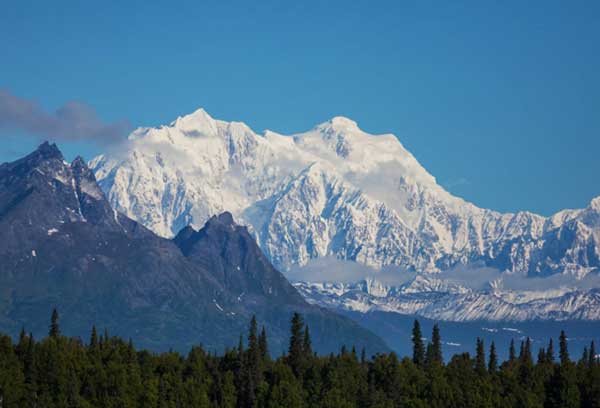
[94, 338]
[240, 348]
[418, 346]
[512, 356]
[436, 344]
[563, 348]
[22, 344]
[307, 343]
[28, 362]
[550, 352]
[521, 350]
[131, 351]
[526, 357]
[541, 358]
[22, 335]
[429, 358]
[54, 331]
[592, 355]
[585, 358]
[564, 390]
[252, 367]
[262, 344]
[526, 364]
[480, 358]
[296, 348]
[493, 361]
[253, 347]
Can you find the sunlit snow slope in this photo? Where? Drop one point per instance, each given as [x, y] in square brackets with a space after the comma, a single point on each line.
[332, 191]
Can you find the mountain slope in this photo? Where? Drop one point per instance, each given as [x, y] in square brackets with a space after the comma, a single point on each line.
[238, 264]
[332, 191]
[233, 257]
[62, 245]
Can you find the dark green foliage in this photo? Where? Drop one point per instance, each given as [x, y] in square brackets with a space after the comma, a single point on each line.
[541, 358]
[418, 347]
[307, 343]
[436, 343]
[54, 331]
[550, 352]
[585, 358]
[511, 352]
[108, 372]
[94, 338]
[480, 358]
[433, 355]
[252, 370]
[493, 360]
[262, 344]
[296, 348]
[563, 348]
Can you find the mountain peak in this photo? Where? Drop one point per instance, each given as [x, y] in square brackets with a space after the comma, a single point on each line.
[46, 155]
[237, 261]
[200, 113]
[82, 171]
[78, 162]
[46, 151]
[196, 123]
[340, 123]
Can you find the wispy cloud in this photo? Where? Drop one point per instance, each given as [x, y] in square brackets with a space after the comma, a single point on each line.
[474, 276]
[71, 122]
[331, 269]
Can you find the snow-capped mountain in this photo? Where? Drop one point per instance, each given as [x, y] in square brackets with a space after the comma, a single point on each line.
[437, 299]
[332, 191]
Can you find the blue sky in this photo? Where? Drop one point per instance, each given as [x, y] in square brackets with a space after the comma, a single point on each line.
[499, 100]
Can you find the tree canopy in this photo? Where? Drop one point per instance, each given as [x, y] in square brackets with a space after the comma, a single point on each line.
[108, 371]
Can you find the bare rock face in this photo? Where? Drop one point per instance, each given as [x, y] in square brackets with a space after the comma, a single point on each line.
[237, 262]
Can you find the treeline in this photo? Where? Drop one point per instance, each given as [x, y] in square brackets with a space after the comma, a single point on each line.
[107, 371]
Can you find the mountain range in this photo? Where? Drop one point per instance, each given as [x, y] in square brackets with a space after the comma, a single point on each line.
[63, 246]
[337, 192]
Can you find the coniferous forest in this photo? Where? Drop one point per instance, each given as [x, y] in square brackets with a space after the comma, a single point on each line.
[107, 371]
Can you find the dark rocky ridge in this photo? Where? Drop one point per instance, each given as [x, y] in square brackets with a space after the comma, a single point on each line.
[62, 245]
[237, 263]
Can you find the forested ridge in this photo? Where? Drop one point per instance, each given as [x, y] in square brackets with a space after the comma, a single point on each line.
[107, 371]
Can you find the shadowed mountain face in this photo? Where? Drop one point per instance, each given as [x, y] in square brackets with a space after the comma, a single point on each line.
[237, 263]
[62, 245]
